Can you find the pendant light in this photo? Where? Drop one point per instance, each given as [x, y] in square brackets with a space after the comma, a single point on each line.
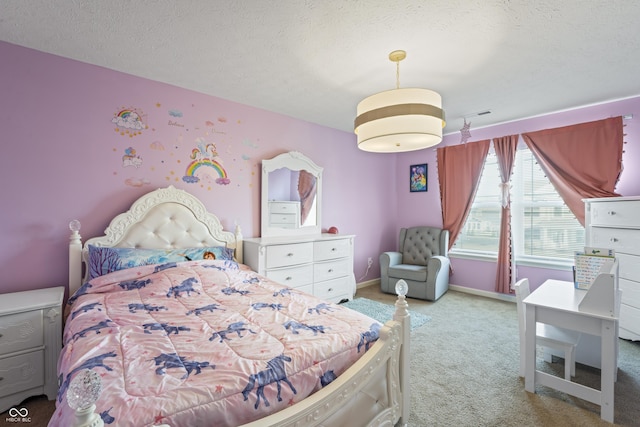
[400, 119]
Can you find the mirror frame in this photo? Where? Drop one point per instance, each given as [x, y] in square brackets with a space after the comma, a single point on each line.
[296, 161]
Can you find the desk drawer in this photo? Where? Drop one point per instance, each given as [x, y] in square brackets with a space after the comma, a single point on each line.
[621, 240]
[293, 277]
[615, 214]
[21, 331]
[331, 249]
[288, 255]
[21, 372]
[327, 270]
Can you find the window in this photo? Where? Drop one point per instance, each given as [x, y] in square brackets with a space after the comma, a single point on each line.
[543, 229]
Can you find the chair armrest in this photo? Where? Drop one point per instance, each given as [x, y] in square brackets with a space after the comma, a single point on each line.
[388, 259]
[435, 265]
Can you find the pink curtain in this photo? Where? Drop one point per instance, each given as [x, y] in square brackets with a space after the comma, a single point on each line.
[459, 171]
[581, 161]
[307, 191]
[505, 149]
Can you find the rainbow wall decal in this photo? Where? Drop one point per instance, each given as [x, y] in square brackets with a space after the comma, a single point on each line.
[190, 176]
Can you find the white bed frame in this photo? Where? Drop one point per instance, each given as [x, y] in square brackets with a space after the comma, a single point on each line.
[372, 392]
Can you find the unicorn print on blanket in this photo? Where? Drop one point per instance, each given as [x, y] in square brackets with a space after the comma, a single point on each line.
[185, 286]
[97, 328]
[211, 307]
[231, 290]
[131, 285]
[260, 305]
[282, 292]
[86, 308]
[236, 327]
[172, 360]
[320, 308]
[295, 326]
[148, 327]
[275, 373]
[133, 308]
[366, 338]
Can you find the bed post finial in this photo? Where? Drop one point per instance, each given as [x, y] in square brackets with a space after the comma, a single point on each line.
[75, 257]
[402, 315]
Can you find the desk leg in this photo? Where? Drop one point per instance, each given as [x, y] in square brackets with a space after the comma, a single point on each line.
[608, 368]
[530, 350]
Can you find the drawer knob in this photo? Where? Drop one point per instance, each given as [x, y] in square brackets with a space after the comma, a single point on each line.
[288, 278]
[330, 289]
[613, 240]
[290, 254]
[330, 270]
[611, 213]
[1, 378]
[0, 335]
[334, 249]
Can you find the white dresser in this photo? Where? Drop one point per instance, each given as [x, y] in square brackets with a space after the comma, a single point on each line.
[321, 265]
[284, 214]
[30, 343]
[614, 223]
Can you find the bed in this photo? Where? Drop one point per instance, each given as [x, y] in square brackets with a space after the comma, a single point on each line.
[178, 331]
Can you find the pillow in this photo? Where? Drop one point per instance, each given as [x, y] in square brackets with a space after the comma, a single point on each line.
[104, 260]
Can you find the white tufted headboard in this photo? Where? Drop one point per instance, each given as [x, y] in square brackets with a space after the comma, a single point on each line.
[167, 218]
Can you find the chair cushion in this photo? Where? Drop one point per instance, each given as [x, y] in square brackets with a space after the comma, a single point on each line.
[408, 272]
[420, 244]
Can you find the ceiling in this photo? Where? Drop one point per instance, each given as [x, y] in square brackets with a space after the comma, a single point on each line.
[315, 60]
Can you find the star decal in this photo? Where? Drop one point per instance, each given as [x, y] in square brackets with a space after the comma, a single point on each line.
[465, 134]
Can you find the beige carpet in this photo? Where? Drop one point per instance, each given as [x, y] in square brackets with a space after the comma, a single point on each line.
[464, 370]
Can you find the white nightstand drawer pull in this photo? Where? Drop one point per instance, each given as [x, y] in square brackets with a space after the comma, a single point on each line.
[611, 213]
[613, 240]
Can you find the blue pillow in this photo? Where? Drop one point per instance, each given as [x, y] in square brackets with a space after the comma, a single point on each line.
[104, 260]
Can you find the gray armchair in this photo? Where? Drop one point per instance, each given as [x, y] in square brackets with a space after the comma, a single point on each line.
[422, 261]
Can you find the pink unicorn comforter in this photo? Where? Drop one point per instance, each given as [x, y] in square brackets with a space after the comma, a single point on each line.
[203, 343]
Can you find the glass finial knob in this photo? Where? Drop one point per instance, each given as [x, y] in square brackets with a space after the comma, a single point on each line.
[84, 390]
[74, 225]
[401, 288]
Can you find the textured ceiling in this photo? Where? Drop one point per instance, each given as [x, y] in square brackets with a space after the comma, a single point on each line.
[315, 60]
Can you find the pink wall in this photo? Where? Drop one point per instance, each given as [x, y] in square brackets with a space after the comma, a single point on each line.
[62, 158]
[424, 208]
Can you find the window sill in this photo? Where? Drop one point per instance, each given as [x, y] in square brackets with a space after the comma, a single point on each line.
[548, 263]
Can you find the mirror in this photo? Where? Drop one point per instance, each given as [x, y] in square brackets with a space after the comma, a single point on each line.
[291, 196]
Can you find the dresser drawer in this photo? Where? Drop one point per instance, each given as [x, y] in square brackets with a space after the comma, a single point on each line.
[331, 249]
[629, 266]
[620, 240]
[293, 277]
[283, 220]
[21, 331]
[629, 317]
[615, 214]
[22, 372]
[327, 270]
[630, 292]
[284, 207]
[332, 290]
[286, 255]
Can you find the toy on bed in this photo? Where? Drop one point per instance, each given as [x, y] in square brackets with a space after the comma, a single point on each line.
[180, 332]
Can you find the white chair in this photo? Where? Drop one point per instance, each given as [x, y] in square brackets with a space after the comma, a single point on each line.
[546, 335]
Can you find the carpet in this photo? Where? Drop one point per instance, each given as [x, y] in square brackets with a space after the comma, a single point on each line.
[383, 312]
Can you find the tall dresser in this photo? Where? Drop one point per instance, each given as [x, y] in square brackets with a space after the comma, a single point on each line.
[614, 223]
[321, 265]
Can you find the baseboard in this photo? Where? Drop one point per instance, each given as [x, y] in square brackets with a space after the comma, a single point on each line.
[368, 283]
[486, 294]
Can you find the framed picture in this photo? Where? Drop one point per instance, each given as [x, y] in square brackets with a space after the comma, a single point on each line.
[418, 178]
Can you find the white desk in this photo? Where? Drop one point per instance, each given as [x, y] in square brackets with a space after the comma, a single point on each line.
[558, 303]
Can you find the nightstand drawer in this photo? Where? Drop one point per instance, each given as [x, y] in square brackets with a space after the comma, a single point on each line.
[21, 331]
[331, 249]
[22, 372]
[287, 255]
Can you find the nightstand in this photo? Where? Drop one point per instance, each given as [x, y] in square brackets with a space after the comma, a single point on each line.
[30, 343]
